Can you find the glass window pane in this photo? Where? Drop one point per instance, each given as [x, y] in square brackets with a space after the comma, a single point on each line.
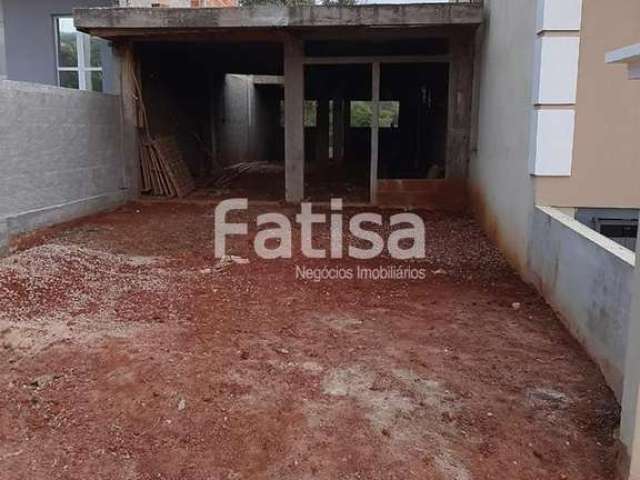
[67, 45]
[94, 80]
[92, 48]
[69, 79]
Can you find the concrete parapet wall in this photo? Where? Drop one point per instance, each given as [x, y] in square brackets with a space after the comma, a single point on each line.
[588, 279]
[60, 155]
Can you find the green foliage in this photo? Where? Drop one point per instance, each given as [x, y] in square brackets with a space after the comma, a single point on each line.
[361, 114]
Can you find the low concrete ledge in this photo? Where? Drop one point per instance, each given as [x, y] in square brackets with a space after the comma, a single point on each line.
[25, 222]
[44, 217]
[591, 235]
[93, 20]
[29, 87]
[588, 279]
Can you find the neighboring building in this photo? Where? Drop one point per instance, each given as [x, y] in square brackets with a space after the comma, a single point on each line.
[3, 57]
[42, 46]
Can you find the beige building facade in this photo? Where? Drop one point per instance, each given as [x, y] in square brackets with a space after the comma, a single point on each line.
[605, 163]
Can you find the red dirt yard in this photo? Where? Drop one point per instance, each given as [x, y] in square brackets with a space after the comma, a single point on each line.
[129, 352]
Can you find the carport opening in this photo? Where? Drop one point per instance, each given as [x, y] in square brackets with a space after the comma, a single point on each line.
[221, 104]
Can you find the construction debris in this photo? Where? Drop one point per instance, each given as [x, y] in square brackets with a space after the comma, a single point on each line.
[163, 171]
[232, 172]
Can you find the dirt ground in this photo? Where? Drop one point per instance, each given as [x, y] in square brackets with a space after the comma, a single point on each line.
[127, 351]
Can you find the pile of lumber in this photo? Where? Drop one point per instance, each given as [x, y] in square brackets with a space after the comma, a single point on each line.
[163, 169]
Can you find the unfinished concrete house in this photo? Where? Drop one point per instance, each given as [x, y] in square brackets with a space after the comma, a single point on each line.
[130, 350]
[373, 105]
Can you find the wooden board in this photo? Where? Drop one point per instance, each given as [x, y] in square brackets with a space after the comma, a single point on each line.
[173, 165]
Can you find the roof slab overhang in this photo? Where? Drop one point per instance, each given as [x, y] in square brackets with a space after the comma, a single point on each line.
[265, 21]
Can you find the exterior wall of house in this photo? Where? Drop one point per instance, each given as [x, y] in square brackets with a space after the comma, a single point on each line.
[61, 152]
[30, 39]
[3, 56]
[605, 167]
[500, 184]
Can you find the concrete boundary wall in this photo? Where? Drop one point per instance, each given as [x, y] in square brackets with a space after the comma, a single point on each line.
[588, 279]
[60, 156]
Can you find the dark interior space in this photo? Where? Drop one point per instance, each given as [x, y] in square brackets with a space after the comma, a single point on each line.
[176, 93]
[337, 151]
[414, 146]
[221, 102]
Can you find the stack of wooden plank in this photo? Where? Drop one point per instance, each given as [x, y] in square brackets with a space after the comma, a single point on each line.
[163, 169]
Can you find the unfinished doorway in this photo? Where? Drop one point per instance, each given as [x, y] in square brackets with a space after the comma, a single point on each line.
[413, 120]
[337, 132]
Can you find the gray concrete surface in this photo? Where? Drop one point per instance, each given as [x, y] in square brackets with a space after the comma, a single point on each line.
[280, 17]
[501, 188]
[61, 154]
[630, 421]
[588, 279]
[235, 120]
[294, 119]
[30, 39]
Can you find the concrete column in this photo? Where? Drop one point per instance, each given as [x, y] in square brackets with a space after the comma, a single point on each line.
[322, 132]
[338, 131]
[630, 422]
[459, 116]
[294, 119]
[375, 131]
[129, 116]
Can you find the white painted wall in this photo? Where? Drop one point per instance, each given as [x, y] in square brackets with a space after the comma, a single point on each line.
[552, 133]
[502, 189]
[555, 81]
[559, 15]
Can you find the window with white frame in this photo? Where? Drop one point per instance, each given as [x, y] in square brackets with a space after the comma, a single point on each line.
[78, 57]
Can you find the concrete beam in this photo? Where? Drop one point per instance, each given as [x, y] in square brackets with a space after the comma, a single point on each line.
[385, 16]
[294, 119]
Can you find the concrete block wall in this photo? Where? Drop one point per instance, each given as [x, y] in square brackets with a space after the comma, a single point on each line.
[60, 155]
[589, 280]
